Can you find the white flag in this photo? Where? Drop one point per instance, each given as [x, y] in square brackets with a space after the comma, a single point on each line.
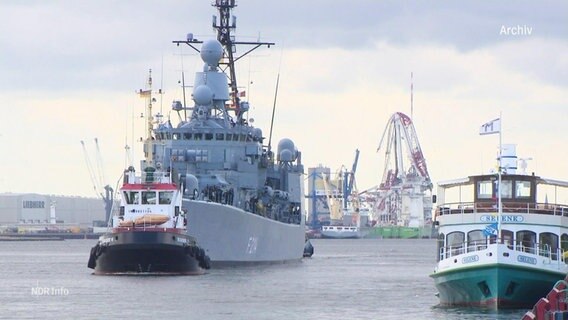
[491, 127]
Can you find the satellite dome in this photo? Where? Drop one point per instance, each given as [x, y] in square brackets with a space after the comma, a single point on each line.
[211, 52]
[202, 95]
[286, 155]
[286, 150]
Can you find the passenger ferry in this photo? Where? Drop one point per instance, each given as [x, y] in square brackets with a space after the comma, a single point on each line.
[479, 266]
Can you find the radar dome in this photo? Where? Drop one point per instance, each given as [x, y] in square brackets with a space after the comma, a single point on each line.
[191, 184]
[202, 95]
[257, 133]
[211, 52]
[286, 155]
[286, 145]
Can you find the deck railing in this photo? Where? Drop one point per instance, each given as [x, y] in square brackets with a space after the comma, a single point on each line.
[508, 207]
[540, 249]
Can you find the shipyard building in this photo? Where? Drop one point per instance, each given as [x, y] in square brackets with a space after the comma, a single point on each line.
[37, 209]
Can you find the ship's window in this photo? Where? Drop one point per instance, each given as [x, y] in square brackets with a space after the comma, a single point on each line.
[162, 136]
[526, 241]
[506, 189]
[186, 136]
[455, 241]
[229, 137]
[243, 137]
[476, 241]
[219, 136]
[176, 136]
[208, 136]
[235, 137]
[168, 136]
[485, 189]
[132, 197]
[441, 250]
[198, 136]
[507, 238]
[564, 242]
[548, 245]
[148, 197]
[522, 189]
[165, 197]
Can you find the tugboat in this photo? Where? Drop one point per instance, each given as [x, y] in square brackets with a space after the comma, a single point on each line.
[149, 233]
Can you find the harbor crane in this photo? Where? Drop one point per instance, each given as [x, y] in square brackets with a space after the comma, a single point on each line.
[96, 174]
[401, 195]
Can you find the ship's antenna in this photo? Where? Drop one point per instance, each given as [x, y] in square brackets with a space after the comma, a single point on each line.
[273, 111]
[183, 90]
[411, 97]
[274, 104]
[149, 118]
[162, 86]
[225, 28]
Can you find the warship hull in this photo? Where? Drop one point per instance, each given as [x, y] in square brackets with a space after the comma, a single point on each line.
[232, 237]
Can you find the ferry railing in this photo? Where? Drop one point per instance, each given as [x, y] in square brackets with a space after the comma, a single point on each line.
[557, 255]
[518, 207]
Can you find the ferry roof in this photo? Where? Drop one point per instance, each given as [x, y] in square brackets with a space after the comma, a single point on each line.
[469, 180]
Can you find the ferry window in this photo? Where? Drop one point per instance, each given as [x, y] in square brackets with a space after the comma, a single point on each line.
[235, 137]
[485, 189]
[243, 137]
[506, 189]
[548, 245]
[148, 197]
[168, 136]
[176, 136]
[441, 238]
[132, 197]
[564, 242]
[187, 136]
[507, 238]
[198, 136]
[208, 136]
[455, 241]
[165, 197]
[229, 137]
[522, 189]
[219, 136]
[476, 241]
[526, 241]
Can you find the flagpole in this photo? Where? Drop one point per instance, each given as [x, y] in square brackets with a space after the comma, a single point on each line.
[500, 203]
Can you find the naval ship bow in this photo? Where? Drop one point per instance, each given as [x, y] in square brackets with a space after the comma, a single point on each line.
[244, 203]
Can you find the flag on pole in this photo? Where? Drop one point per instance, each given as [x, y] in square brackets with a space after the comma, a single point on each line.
[493, 126]
[144, 93]
[490, 230]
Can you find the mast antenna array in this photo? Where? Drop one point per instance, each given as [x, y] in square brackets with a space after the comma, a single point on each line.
[224, 29]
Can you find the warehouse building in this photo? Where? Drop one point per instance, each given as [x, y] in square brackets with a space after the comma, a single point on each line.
[32, 208]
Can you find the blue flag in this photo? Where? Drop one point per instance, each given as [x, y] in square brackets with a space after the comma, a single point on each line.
[490, 230]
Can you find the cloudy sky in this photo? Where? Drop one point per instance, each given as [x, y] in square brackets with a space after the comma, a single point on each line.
[69, 70]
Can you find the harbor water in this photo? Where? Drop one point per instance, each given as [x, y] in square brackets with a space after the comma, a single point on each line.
[345, 279]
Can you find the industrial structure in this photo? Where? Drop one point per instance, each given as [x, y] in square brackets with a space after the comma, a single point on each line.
[403, 199]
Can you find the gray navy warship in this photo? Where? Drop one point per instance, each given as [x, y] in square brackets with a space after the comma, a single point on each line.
[242, 200]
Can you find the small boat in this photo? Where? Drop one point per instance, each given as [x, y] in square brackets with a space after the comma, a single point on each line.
[499, 249]
[341, 232]
[149, 232]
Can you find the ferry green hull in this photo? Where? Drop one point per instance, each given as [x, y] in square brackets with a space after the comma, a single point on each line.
[494, 286]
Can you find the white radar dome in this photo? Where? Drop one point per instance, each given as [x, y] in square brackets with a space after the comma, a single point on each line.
[202, 95]
[286, 150]
[211, 52]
